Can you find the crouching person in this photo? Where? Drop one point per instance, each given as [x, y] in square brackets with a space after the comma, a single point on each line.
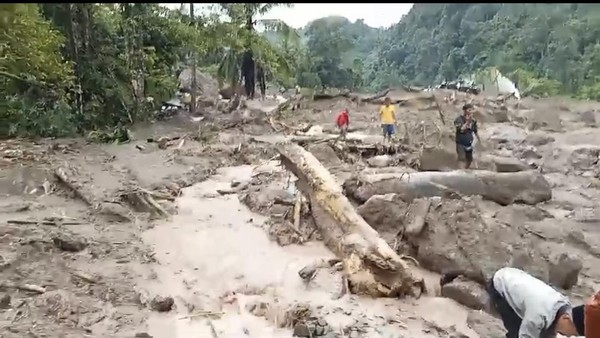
[528, 307]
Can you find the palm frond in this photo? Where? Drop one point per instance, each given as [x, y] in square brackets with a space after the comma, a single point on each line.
[280, 28]
[266, 7]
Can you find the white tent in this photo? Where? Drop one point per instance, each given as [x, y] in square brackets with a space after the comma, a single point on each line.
[495, 83]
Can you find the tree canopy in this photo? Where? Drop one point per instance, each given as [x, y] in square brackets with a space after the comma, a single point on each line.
[72, 68]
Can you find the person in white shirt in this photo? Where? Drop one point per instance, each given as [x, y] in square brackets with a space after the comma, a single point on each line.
[528, 307]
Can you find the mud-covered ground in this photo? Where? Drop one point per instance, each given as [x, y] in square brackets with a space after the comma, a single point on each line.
[214, 252]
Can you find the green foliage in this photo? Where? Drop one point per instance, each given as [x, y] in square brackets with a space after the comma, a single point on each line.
[546, 48]
[70, 68]
[35, 79]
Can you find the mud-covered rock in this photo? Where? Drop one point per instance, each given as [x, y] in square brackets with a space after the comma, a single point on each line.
[467, 293]
[584, 157]
[142, 335]
[162, 304]
[380, 161]
[564, 270]
[485, 325]
[311, 328]
[384, 212]
[504, 164]
[4, 301]
[588, 117]
[458, 236]
[437, 159]
[69, 243]
[538, 139]
[114, 212]
[325, 154]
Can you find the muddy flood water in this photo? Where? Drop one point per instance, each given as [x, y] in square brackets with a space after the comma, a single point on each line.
[215, 246]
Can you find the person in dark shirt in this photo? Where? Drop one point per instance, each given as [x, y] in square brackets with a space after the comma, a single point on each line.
[466, 127]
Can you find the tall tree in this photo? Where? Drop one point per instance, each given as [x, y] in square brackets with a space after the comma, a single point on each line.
[253, 51]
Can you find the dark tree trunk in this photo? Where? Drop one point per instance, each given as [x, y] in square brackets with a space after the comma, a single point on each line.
[248, 64]
[260, 77]
[248, 73]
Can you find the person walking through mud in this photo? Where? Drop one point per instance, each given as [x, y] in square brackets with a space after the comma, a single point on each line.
[528, 307]
[387, 115]
[466, 127]
[343, 122]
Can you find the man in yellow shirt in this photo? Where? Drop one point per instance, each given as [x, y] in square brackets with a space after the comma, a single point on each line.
[387, 113]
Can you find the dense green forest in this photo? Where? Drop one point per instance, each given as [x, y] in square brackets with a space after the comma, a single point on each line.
[72, 68]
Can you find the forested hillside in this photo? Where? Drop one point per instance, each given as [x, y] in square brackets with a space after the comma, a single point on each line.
[72, 68]
[552, 48]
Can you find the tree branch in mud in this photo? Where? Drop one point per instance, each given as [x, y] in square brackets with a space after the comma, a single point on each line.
[65, 179]
[370, 265]
[529, 187]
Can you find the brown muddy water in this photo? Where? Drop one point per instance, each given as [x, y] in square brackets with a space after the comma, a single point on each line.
[215, 245]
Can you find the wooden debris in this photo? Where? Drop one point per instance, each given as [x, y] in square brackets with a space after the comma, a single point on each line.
[371, 266]
[23, 287]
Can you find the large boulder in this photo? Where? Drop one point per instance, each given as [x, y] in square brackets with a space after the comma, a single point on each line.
[206, 85]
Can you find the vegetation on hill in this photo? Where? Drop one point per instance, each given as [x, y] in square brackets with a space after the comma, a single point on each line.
[72, 68]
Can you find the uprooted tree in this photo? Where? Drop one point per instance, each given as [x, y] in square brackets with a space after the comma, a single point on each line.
[370, 265]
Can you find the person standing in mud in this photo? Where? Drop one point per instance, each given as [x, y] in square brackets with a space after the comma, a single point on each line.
[466, 127]
[528, 307]
[343, 122]
[387, 115]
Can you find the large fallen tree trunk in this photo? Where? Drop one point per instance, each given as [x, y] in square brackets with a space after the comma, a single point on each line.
[529, 187]
[370, 265]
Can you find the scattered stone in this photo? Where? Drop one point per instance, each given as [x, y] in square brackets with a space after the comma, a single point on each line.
[467, 293]
[384, 212]
[485, 325]
[311, 328]
[325, 154]
[4, 301]
[564, 270]
[142, 335]
[380, 161]
[507, 164]
[588, 117]
[162, 304]
[437, 158]
[114, 212]
[538, 139]
[68, 243]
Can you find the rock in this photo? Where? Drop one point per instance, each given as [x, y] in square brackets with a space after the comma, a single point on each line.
[380, 161]
[459, 235]
[589, 118]
[538, 139]
[114, 212]
[4, 301]
[311, 328]
[68, 243]
[206, 85]
[301, 330]
[485, 325]
[142, 335]
[507, 164]
[467, 293]
[437, 159]
[585, 157]
[162, 304]
[384, 213]
[528, 153]
[325, 154]
[564, 270]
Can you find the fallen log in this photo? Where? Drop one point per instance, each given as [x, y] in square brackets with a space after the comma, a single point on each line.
[529, 187]
[370, 265]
